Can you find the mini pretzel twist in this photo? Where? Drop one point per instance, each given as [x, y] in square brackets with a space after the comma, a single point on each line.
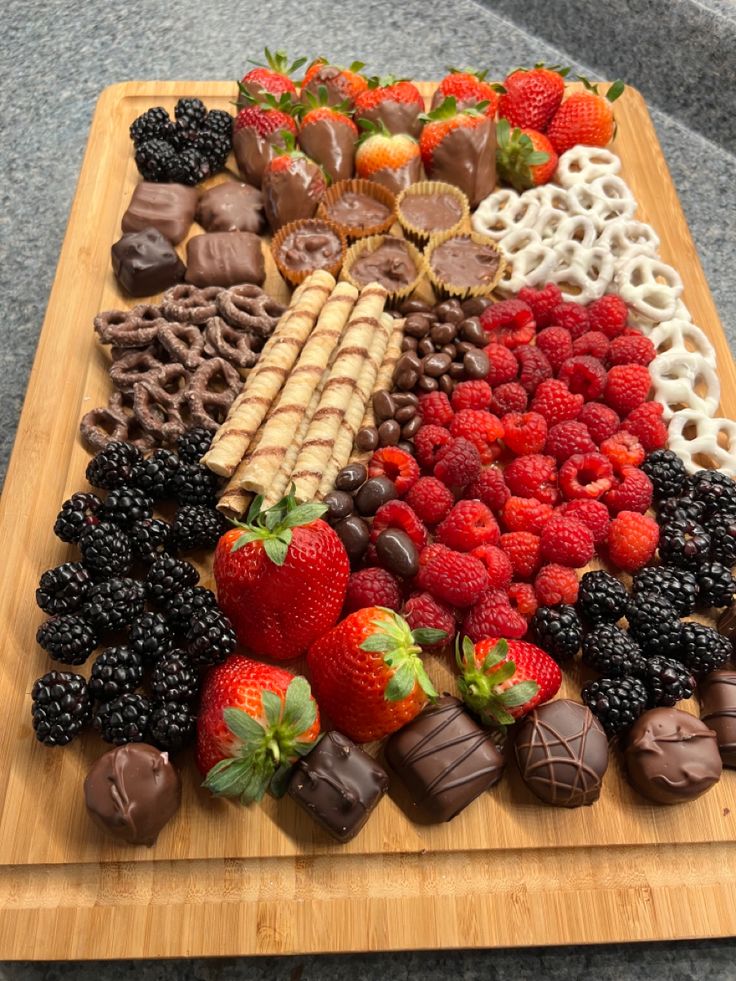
[188, 304]
[211, 391]
[249, 308]
[601, 208]
[128, 328]
[547, 222]
[114, 421]
[134, 366]
[576, 228]
[626, 237]
[650, 286]
[676, 376]
[588, 271]
[184, 343]
[583, 164]
[699, 440]
[679, 336]
[530, 261]
[157, 405]
[503, 212]
[235, 346]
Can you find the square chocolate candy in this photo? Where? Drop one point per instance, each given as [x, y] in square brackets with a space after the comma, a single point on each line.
[225, 259]
[339, 785]
[168, 207]
[146, 263]
[231, 207]
[445, 759]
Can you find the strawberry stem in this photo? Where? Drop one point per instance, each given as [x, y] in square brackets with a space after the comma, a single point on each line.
[401, 648]
[273, 526]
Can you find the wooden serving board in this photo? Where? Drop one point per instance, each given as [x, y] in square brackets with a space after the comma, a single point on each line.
[223, 880]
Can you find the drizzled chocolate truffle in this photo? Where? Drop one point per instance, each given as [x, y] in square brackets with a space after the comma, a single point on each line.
[718, 711]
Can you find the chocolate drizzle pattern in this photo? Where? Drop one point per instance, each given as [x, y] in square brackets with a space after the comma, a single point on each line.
[718, 710]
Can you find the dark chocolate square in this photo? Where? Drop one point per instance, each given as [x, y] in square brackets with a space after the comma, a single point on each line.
[225, 259]
[146, 263]
[168, 207]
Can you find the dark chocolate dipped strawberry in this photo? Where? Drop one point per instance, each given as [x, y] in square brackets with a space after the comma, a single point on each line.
[395, 102]
[328, 135]
[459, 146]
[292, 185]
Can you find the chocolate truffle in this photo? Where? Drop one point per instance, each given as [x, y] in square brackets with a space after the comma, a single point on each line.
[313, 245]
[445, 759]
[339, 785]
[718, 710]
[671, 756]
[168, 207]
[132, 791]
[292, 192]
[460, 261]
[391, 265]
[145, 263]
[467, 158]
[354, 210]
[225, 259]
[231, 207]
[562, 753]
[431, 212]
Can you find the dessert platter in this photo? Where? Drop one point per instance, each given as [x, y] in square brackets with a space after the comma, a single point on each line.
[373, 584]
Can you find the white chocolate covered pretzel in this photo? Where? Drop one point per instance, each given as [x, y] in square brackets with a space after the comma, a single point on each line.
[529, 261]
[684, 379]
[503, 212]
[626, 237]
[678, 336]
[700, 441]
[584, 274]
[583, 164]
[650, 286]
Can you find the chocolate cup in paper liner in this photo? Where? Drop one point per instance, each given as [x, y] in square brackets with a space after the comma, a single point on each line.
[369, 189]
[296, 276]
[443, 285]
[367, 246]
[420, 236]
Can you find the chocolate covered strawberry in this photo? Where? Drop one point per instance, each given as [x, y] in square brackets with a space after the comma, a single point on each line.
[391, 159]
[281, 577]
[368, 675]
[531, 97]
[459, 146]
[585, 117]
[524, 158]
[292, 185]
[394, 102]
[258, 127]
[469, 89]
[342, 84]
[274, 77]
[255, 720]
[328, 135]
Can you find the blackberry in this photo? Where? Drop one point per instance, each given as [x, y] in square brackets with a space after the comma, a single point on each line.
[124, 719]
[681, 508]
[114, 603]
[601, 597]
[190, 114]
[716, 490]
[167, 576]
[654, 624]
[716, 584]
[153, 476]
[210, 639]
[187, 604]
[114, 465]
[193, 444]
[219, 121]
[612, 652]
[197, 526]
[153, 124]
[151, 539]
[115, 672]
[678, 586]
[722, 531]
[667, 473]
[150, 637]
[174, 678]
[195, 484]
[67, 638]
[616, 702]
[154, 159]
[106, 549]
[213, 147]
[172, 725]
[61, 707]
[62, 590]
[667, 681]
[188, 167]
[683, 543]
[558, 630]
[125, 505]
[703, 649]
[80, 511]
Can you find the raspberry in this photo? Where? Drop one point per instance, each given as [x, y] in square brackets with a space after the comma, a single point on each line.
[584, 376]
[523, 599]
[510, 322]
[371, 587]
[632, 540]
[510, 397]
[471, 395]
[525, 433]
[526, 514]
[645, 422]
[533, 367]
[542, 301]
[567, 541]
[572, 317]
[497, 563]
[522, 549]
[631, 349]
[493, 616]
[592, 513]
[468, 525]
[430, 499]
[557, 345]
[600, 421]
[627, 386]
[490, 487]
[458, 463]
[554, 400]
[567, 438]
[504, 366]
[634, 493]
[397, 465]
[592, 343]
[533, 476]
[608, 315]
[423, 610]
[623, 450]
[428, 442]
[586, 475]
[452, 577]
[435, 409]
[555, 584]
[482, 429]
[398, 514]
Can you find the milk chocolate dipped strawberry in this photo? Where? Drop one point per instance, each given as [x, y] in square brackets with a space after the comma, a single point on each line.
[274, 77]
[342, 84]
[395, 102]
[469, 89]
[328, 135]
[292, 185]
[391, 159]
[257, 128]
[459, 146]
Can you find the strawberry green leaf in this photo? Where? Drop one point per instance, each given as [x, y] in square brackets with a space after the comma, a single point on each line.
[272, 707]
[227, 777]
[401, 684]
[242, 725]
[304, 514]
[537, 157]
[616, 90]
[299, 707]
[245, 539]
[377, 643]
[425, 682]
[496, 714]
[427, 636]
[255, 509]
[502, 673]
[355, 66]
[280, 780]
[275, 550]
[519, 694]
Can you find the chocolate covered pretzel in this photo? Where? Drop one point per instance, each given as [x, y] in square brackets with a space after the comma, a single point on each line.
[235, 346]
[211, 391]
[249, 308]
[189, 304]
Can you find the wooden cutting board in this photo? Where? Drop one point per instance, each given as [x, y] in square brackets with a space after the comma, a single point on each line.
[223, 880]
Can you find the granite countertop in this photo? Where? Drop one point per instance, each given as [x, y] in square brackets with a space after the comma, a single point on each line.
[55, 58]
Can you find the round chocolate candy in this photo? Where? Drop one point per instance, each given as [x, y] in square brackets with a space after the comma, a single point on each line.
[462, 348]
[339, 505]
[416, 325]
[476, 364]
[367, 438]
[450, 311]
[406, 380]
[409, 361]
[428, 384]
[354, 534]
[450, 350]
[412, 427]
[405, 413]
[447, 385]
[475, 305]
[425, 346]
[375, 492]
[406, 446]
[405, 398]
[351, 477]
[408, 344]
[443, 333]
[389, 433]
[436, 364]
[414, 305]
[383, 406]
[397, 553]
[472, 332]
[456, 371]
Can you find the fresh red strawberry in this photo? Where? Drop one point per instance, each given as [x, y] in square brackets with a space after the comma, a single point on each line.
[273, 77]
[584, 117]
[254, 721]
[532, 96]
[469, 89]
[396, 102]
[342, 84]
[380, 150]
[266, 117]
[450, 134]
[525, 157]
[368, 675]
[281, 577]
[501, 681]
[327, 135]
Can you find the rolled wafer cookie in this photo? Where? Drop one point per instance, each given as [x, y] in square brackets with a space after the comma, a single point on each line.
[292, 403]
[384, 381]
[283, 478]
[234, 501]
[356, 409]
[319, 443]
[266, 378]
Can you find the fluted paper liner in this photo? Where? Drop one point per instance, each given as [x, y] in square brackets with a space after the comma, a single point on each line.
[296, 276]
[421, 236]
[368, 245]
[446, 290]
[359, 186]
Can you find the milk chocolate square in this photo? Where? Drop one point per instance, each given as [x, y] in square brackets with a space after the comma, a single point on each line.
[231, 207]
[146, 263]
[225, 259]
[168, 207]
